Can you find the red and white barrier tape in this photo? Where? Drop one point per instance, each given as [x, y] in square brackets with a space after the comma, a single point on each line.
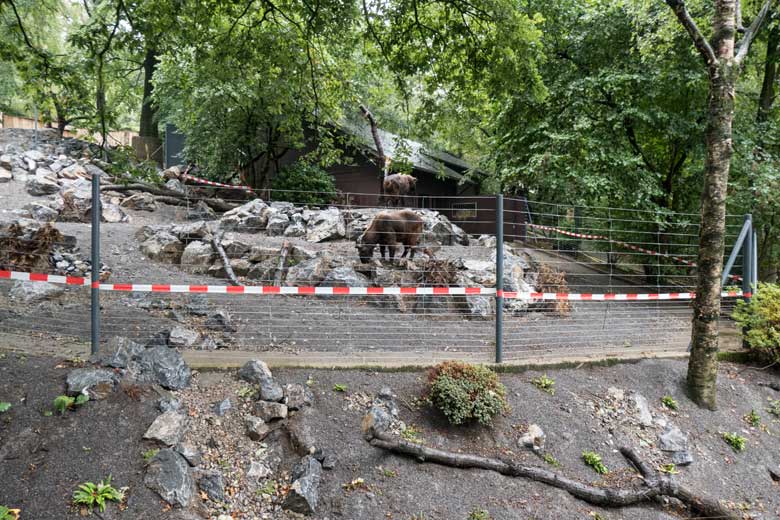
[350, 291]
[624, 244]
[217, 184]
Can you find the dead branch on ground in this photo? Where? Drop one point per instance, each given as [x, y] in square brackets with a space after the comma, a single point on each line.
[167, 196]
[283, 252]
[216, 243]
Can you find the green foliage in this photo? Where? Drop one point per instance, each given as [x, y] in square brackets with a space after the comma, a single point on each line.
[64, 402]
[96, 495]
[464, 392]
[737, 442]
[593, 460]
[760, 320]
[753, 419]
[148, 455]
[128, 169]
[551, 460]
[669, 469]
[479, 514]
[269, 488]
[544, 383]
[339, 387]
[248, 392]
[304, 183]
[412, 434]
[774, 407]
[669, 402]
[4, 406]
[8, 514]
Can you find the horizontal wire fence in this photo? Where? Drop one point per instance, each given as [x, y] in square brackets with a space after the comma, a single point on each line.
[433, 298]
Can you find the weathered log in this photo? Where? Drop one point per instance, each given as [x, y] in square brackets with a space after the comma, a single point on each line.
[283, 252]
[216, 243]
[167, 196]
[653, 485]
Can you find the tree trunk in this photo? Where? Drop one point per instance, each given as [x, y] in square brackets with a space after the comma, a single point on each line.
[767, 97]
[148, 109]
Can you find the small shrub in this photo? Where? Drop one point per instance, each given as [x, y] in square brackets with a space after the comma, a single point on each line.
[774, 407]
[150, 454]
[4, 406]
[670, 469]
[669, 402]
[338, 387]
[304, 183]
[593, 460]
[552, 461]
[544, 383]
[64, 402]
[479, 514]
[96, 495]
[464, 392]
[9, 514]
[737, 442]
[753, 419]
[760, 321]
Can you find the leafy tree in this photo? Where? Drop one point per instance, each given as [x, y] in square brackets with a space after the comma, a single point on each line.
[303, 183]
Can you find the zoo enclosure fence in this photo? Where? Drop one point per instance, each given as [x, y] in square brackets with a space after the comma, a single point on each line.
[577, 281]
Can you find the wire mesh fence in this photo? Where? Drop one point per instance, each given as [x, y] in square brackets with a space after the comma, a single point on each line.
[329, 276]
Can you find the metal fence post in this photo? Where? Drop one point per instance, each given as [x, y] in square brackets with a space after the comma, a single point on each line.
[747, 256]
[499, 278]
[95, 292]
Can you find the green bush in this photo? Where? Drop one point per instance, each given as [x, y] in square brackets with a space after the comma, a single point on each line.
[760, 321]
[464, 392]
[303, 183]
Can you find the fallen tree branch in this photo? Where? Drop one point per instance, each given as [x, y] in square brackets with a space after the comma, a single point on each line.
[216, 240]
[654, 486]
[167, 196]
[283, 252]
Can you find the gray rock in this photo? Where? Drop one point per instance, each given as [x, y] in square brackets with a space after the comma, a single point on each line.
[197, 257]
[183, 337]
[6, 161]
[277, 223]
[73, 172]
[199, 230]
[164, 366]
[198, 305]
[112, 214]
[251, 217]
[675, 441]
[120, 352]
[254, 372]
[326, 225]
[169, 405]
[220, 321]
[176, 185]
[329, 462]
[309, 272]
[168, 428]
[256, 428]
[41, 185]
[378, 419]
[170, 476]
[222, 407]
[213, 484]
[258, 470]
[682, 458]
[269, 411]
[295, 397]
[42, 212]
[201, 211]
[304, 492]
[271, 391]
[206, 343]
[344, 277]
[234, 247]
[643, 410]
[296, 229]
[5, 175]
[35, 155]
[140, 202]
[190, 453]
[98, 383]
[534, 438]
[163, 247]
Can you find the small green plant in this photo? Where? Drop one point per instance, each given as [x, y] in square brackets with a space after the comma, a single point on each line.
[4, 406]
[247, 392]
[388, 473]
[411, 434]
[774, 407]
[552, 461]
[150, 454]
[65, 402]
[759, 320]
[269, 488]
[753, 419]
[479, 514]
[358, 483]
[338, 387]
[669, 402]
[593, 460]
[8, 514]
[96, 495]
[669, 469]
[737, 442]
[544, 383]
[464, 392]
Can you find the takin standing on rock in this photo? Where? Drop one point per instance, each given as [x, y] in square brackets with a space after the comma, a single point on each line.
[387, 229]
[397, 186]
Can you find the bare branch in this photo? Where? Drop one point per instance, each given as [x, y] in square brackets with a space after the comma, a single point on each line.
[738, 16]
[704, 48]
[750, 33]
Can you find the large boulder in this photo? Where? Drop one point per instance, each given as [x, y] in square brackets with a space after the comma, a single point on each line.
[277, 224]
[309, 272]
[251, 217]
[96, 382]
[112, 213]
[42, 212]
[183, 337]
[168, 428]
[197, 257]
[140, 202]
[77, 204]
[41, 185]
[676, 442]
[201, 211]
[170, 476]
[163, 247]
[212, 483]
[120, 352]
[5, 175]
[344, 276]
[164, 366]
[325, 225]
[30, 292]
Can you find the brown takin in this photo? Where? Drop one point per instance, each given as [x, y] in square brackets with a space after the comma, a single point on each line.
[388, 229]
[397, 186]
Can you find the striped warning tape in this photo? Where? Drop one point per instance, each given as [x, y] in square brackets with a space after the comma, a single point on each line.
[350, 291]
[217, 184]
[621, 243]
